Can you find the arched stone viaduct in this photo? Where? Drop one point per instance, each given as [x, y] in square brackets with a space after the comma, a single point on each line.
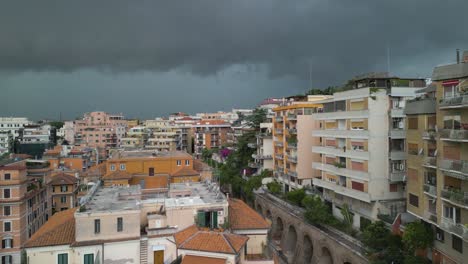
[303, 243]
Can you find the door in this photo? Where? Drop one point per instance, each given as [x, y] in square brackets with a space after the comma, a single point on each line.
[151, 172]
[158, 257]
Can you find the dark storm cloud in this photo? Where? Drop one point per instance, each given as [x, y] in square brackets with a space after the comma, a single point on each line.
[333, 38]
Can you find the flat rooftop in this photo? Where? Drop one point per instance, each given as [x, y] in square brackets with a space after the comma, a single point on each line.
[111, 199]
[147, 153]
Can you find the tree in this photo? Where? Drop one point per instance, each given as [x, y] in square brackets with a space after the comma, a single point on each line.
[417, 236]
[296, 196]
[316, 211]
[257, 117]
[274, 187]
[376, 236]
[56, 124]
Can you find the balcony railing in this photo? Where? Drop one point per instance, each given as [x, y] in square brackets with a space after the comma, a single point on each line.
[430, 162]
[254, 165]
[363, 196]
[292, 173]
[455, 196]
[279, 131]
[342, 133]
[397, 133]
[292, 131]
[340, 171]
[430, 189]
[455, 228]
[279, 144]
[454, 102]
[279, 156]
[397, 176]
[292, 145]
[279, 119]
[454, 134]
[292, 117]
[252, 145]
[264, 157]
[455, 168]
[292, 159]
[431, 216]
[429, 135]
[341, 152]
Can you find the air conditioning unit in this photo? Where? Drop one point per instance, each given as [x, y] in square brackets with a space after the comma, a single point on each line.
[421, 150]
[439, 236]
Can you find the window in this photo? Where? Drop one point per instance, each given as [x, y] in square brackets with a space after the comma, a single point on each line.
[357, 186]
[413, 149]
[119, 224]
[179, 162]
[64, 188]
[97, 226]
[452, 122]
[357, 146]
[122, 166]
[187, 162]
[413, 200]
[88, 258]
[457, 243]
[62, 258]
[6, 193]
[8, 259]
[440, 234]
[151, 171]
[357, 124]
[6, 210]
[112, 167]
[7, 176]
[7, 243]
[63, 199]
[393, 187]
[7, 226]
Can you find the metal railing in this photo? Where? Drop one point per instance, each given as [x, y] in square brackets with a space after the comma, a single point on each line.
[430, 189]
[457, 101]
[455, 196]
[454, 134]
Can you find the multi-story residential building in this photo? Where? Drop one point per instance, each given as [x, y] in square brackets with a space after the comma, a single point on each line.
[263, 156]
[64, 191]
[163, 135]
[438, 180]
[13, 124]
[6, 142]
[293, 123]
[237, 131]
[136, 137]
[362, 159]
[152, 171]
[35, 139]
[72, 158]
[209, 134]
[24, 205]
[99, 130]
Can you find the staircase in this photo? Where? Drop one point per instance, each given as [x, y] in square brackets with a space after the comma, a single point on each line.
[144, 250]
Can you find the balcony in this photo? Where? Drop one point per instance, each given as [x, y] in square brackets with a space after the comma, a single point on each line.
[359, 114]
[430, 190]
[455, 168]
[259, 157]
[279, 131]
[397, 133]
[252, 145]
[431, 216]
[279, 156]
[279, 144]
[292, 131]
[397, 155]
[454, 102]
[362, 175]
[397, 112]
[429, 135]
[397, 176]
[254, 165]
[457, 135]
[292, 159]
[363, 196]
[454, 228]
[430, 162]
[454, 196]
[264, 135]
[279, 119]
[292, 174]
[341, 133]
[292, 145]
[292, 117]
[341, 152]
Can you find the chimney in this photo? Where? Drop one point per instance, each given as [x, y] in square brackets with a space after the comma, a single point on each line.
[465, 56]
[458, 56]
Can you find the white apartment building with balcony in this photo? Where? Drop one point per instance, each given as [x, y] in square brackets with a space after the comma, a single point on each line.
[13, 124]
[362, 148]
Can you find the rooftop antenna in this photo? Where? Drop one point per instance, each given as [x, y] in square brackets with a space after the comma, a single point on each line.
[388, 59]
[310, 75]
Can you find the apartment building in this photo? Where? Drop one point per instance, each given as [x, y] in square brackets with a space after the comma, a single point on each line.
[362, 158]
[293, 123]
[13, 124]
[6, 142]
[136, 137]
[64, 191]
[72, 158]
[152, 171]
[263, 156]
[163, 135]
[24, 204]
[124, 224]
[209, 134]
[98, 130]
[438, 176]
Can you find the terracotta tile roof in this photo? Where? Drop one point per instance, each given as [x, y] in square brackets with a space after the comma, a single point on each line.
[189, 259]
[194, 238]
[117, 175]
[185, 171]
[59, 230]
[200, 166]
[63, 178]
[96, 170]
[241, 216]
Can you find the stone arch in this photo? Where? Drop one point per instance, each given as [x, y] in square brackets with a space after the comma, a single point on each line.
[308, 250]
[290, 243]
[325, 256]
[268, 215]
[259, 209]
[278, 229]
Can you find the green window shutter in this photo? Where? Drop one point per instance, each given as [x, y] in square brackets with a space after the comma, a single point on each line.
[201, 218]
[214, 219]
[62, 258]
[89, 259]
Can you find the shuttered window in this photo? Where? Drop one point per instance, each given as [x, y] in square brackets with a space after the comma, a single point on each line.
[358, 166]
[357, 186]
[451, 152]
[413, 200]
[412, 123]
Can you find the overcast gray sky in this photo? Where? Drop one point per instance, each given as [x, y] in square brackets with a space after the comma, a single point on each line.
[150, 58]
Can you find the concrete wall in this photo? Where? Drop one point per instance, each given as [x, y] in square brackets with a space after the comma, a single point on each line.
[305, 125]
[168, 245]
[122, 252]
